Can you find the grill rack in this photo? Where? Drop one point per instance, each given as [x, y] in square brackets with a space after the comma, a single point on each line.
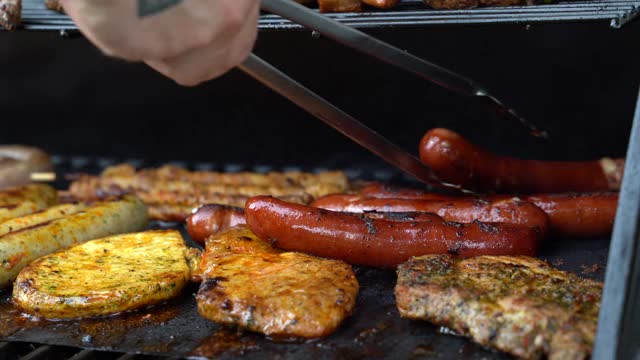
[30, 351]
[85, 164]
[411, 13]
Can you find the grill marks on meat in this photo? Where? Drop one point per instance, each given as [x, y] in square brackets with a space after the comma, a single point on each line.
[519, 305]
[248, 283]
[10, 16]
[172, 192]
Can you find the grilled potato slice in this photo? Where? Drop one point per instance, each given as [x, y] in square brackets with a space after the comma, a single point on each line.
[247, 282]
[19, 248]
[105, 276]
[26, 199]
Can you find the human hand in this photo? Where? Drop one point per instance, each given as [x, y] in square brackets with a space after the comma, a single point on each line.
[190, 41]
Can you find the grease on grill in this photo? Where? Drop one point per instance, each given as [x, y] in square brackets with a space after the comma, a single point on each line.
[225, 341]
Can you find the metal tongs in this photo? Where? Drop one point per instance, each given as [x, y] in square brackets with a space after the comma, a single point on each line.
[343, 122]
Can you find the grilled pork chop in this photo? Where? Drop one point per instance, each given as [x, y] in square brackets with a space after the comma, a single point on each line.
[520, 305]
[105, 276]
[248, 283]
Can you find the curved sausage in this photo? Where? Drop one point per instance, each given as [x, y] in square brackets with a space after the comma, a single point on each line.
[579, 215]
[570, 214]
[212, 218]
[458, 161]
[360, 240]
[463, 209]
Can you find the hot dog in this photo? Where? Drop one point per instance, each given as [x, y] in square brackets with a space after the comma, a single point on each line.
[462, 209]
[570, 214]
[458, 161]
[212, 218]
[362, 240]
[579, 215]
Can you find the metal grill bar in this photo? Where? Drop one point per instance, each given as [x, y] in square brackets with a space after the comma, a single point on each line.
[617, 336]
[83, 354]
[412, 13]
[39, 353]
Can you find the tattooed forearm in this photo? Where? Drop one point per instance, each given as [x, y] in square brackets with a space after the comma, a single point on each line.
[152, 7]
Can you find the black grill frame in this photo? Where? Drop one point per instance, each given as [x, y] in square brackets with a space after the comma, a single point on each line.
[412, 13]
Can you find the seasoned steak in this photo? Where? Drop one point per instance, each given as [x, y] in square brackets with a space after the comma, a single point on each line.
[519, 305]
[248, 283]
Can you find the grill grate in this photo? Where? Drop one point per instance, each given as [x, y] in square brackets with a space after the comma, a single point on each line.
[412, 13]
[194, 336]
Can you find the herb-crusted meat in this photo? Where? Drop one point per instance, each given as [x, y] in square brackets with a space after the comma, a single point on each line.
[519, 305]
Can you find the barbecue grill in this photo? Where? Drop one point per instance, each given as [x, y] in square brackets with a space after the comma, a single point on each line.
[95, 112]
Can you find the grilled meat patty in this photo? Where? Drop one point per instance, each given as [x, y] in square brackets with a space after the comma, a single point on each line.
[248, 283]
[22, 200]
[20, 247]
[519, 305]
[105, 276]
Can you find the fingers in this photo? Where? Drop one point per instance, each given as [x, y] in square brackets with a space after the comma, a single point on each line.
[223, 53]
[115, 27]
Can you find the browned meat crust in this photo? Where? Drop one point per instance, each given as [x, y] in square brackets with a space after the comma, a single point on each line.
[10, 16]
[327, 6]
[452, 4]
[382, 4]
[519, 305]
[468, 4]
[172, 192]
[54, 5]
[248, 283]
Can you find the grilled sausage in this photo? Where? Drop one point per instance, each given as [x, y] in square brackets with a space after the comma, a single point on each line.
[570, 214]
[579, 215]
[18, 248]
[212, 218]
[458, 161]
[384, 191]
[360, 240]
[464, 210]
[41, 216]
[26, 199]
